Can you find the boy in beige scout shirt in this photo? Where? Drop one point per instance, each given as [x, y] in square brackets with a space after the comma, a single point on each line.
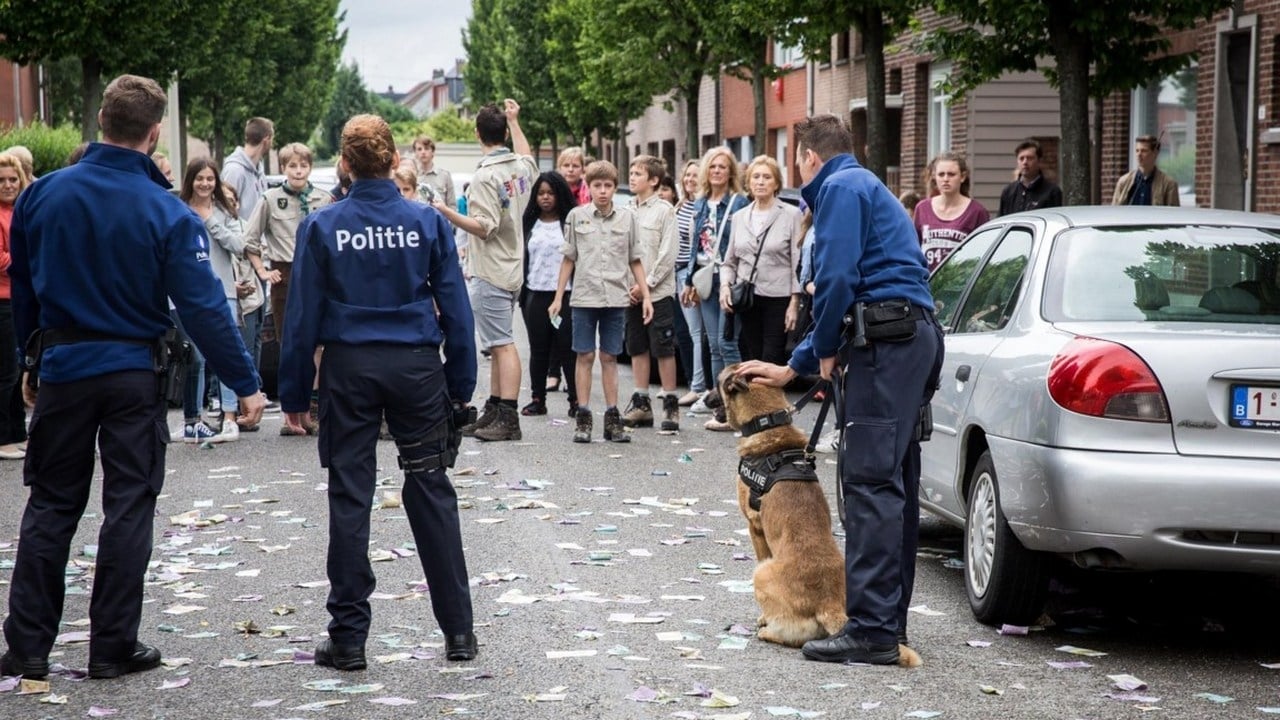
[496, 201]
[656, 224]
[604, 241]
[270, 236]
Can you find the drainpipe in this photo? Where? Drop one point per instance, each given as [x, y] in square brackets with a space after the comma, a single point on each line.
[17, 94]
[811, 87]
[41, 108]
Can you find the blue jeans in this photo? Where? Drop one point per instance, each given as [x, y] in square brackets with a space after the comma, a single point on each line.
[193, 390]
[724, 352]
[693, 320]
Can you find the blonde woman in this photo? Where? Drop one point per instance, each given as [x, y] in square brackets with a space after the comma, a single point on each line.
[720, 196]
[13, 417]
[763, 251]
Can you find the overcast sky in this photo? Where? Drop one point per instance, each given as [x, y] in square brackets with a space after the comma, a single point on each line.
[399, 43]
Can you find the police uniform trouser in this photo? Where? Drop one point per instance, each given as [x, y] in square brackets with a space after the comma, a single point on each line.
[357, 384]
[123, 412]
[885, 385]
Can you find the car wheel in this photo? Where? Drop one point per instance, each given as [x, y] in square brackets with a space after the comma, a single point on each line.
[1005, 582]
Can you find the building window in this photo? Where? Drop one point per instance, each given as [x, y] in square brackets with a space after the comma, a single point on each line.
[786, 56]
[1167, 109]
[842, 46]
[939, 110]
[783, 156]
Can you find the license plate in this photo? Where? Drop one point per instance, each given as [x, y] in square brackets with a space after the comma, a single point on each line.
[1254, 406]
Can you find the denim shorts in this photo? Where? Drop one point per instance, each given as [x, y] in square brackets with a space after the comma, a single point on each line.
[493, 309]
[612, 323]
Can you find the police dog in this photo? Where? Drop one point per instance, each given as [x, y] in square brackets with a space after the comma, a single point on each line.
[799, 578]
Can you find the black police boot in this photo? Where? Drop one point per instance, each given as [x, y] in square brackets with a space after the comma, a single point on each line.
[487, 416]
[670, 412]
[613, 429]
[460, 647]
[639, 412]
[505, 426]
[143, 657]
[845, 648]
[582, 428]
[341, 657]
[11, 665]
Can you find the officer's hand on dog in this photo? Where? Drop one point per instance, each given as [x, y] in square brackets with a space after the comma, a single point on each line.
[766, 373]
[251, 408]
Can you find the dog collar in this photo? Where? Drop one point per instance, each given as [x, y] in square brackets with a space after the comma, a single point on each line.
[777, 418]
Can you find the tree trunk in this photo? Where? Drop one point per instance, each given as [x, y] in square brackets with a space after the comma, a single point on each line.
[762, 120]
[877, 152]
[692, 140]
[1096, 196]
[90, 97]
[1071, 51]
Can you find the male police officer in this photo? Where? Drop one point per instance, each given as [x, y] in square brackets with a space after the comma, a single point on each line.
[369, 275]
[95, 249]
[868, 266]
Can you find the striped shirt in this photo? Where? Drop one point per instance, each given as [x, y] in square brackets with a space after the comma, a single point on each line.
[684, 228]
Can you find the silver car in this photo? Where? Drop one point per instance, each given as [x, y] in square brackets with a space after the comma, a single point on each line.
[1111, 396]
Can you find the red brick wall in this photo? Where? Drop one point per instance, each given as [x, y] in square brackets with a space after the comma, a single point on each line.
[26, 105]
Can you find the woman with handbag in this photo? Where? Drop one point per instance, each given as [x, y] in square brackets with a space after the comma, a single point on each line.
[720, 189]
[758, 283]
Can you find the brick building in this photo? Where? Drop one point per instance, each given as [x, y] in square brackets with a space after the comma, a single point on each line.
[20, 96]
[1219, 121]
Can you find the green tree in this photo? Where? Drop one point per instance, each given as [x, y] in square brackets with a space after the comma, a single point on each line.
[877, 22]
[1097, 48]
[350, 97]
[50, 30]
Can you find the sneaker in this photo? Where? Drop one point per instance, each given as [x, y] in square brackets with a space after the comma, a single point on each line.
[230, 432]
[614, 431]
[582, 428]
[690, 398]
[829, 442]
[639, 412]
[536, 406]
[670, 412]
[699, 406]
[271, 406]
[197, 432]
[505, 426]
[487, 416]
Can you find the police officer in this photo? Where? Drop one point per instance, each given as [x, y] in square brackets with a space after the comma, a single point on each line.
[369, 276]
[95, 249]
[868, 266]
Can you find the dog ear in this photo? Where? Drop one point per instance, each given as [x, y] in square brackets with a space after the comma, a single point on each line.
[736, 385]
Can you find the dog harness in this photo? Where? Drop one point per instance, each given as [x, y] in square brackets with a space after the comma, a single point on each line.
[762, 473]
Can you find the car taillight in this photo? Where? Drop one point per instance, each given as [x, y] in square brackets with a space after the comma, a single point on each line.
[1106, 379]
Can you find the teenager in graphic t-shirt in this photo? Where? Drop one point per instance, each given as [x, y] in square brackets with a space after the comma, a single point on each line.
[946, 219]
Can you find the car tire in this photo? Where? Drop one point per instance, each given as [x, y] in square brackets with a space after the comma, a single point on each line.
[1005, 582]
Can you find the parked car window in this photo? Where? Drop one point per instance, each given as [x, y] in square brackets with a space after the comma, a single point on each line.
[951, 278]
[995, 291]
[1165, 274]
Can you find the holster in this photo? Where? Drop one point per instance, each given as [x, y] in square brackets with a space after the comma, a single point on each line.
[884, 321]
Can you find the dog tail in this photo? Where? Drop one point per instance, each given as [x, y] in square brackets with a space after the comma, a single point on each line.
[908, 658]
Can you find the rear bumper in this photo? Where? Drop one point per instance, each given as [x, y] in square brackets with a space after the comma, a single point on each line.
[1145, 511]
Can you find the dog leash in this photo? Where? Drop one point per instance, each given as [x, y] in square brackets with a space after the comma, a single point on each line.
[830, 390]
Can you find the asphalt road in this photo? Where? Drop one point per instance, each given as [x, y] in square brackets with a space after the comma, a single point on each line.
[609, 581]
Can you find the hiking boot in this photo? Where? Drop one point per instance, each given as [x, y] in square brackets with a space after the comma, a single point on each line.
[505, 426]
[582, 429]
[639, 412]
[670, 412]
[613, 428]
[536, 406]
[487, 416]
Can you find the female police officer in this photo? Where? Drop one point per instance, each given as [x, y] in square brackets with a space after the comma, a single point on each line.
[369, 276]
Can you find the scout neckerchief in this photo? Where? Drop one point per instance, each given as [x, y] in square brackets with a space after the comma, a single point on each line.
[303, 196]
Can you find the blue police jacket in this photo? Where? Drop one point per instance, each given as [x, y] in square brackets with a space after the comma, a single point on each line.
[98, 246]
[373, 269]
[865, 250]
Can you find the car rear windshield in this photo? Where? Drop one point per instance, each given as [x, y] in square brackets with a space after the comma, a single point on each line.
[1166, 274]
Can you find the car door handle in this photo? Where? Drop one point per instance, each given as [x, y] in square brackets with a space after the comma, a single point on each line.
[962, 373]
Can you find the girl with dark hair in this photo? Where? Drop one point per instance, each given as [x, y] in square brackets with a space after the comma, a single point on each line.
[202, 190]
[550, 344]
